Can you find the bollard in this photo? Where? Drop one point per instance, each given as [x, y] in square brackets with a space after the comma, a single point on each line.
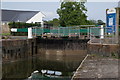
[30, 33]
[102, 32]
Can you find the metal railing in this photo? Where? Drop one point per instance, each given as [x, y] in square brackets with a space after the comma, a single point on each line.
[75, 31]
[103, 35]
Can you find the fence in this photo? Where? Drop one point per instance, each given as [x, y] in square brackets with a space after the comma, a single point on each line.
[75, 31]
[96, 34]
[103, 35]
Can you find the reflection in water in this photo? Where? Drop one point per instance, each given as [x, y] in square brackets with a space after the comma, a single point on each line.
[65, 62]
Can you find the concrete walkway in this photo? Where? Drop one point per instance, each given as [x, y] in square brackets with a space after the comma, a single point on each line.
[94, 68]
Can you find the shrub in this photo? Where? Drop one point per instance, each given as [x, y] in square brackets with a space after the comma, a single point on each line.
[22, 25]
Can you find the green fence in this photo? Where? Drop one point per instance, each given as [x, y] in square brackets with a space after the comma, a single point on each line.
[65, 31]
[61, 31]
[95, 31]
[22, 30]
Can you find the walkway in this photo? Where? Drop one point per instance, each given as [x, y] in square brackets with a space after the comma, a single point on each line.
[97, 67]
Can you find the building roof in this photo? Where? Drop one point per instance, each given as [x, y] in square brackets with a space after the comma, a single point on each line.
[17, 15]
[119, 4]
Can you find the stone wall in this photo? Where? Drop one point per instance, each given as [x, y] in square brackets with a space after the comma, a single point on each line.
[15, 49]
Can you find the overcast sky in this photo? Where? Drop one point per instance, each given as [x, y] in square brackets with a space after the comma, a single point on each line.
[96, 10]
[58, 0]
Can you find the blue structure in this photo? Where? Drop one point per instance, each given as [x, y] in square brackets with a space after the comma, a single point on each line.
[111, 20]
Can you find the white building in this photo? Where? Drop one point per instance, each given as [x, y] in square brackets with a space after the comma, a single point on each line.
[22, 16]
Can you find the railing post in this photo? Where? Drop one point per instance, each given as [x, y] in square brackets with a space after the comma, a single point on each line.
[79, 33]
[90, 35]
[35, 31]
[88, 32]
[69, 32]
[42, 32]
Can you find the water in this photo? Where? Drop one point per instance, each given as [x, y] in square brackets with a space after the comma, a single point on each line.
[64, 62]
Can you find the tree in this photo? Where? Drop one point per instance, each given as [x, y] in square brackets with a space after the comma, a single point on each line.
[100, 22]
[92, 22]
[72, 13]
[55, 22]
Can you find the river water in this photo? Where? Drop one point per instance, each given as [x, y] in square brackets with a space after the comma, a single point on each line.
[64, 62]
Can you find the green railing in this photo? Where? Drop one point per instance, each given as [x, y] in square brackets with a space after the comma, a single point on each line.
[22, 30]
[63, 31]
[57, 31]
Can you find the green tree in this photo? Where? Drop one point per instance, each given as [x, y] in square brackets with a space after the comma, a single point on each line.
[55, 22]
[92, 22]
[100, 22]
[72, 13]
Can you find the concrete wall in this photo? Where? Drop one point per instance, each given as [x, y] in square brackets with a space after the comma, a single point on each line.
[13, 49]
[103, 49]
[63, 44]
[17, 49]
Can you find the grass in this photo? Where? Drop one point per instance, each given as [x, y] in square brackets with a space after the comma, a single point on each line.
[5, 34]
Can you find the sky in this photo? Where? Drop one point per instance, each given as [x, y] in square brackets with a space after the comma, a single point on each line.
[58, 0]
[96, 10]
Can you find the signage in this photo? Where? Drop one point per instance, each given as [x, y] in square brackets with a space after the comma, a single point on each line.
[109, 11]
[111, 21]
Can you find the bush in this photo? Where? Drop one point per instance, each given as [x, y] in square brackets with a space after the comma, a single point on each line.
[22, 25]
